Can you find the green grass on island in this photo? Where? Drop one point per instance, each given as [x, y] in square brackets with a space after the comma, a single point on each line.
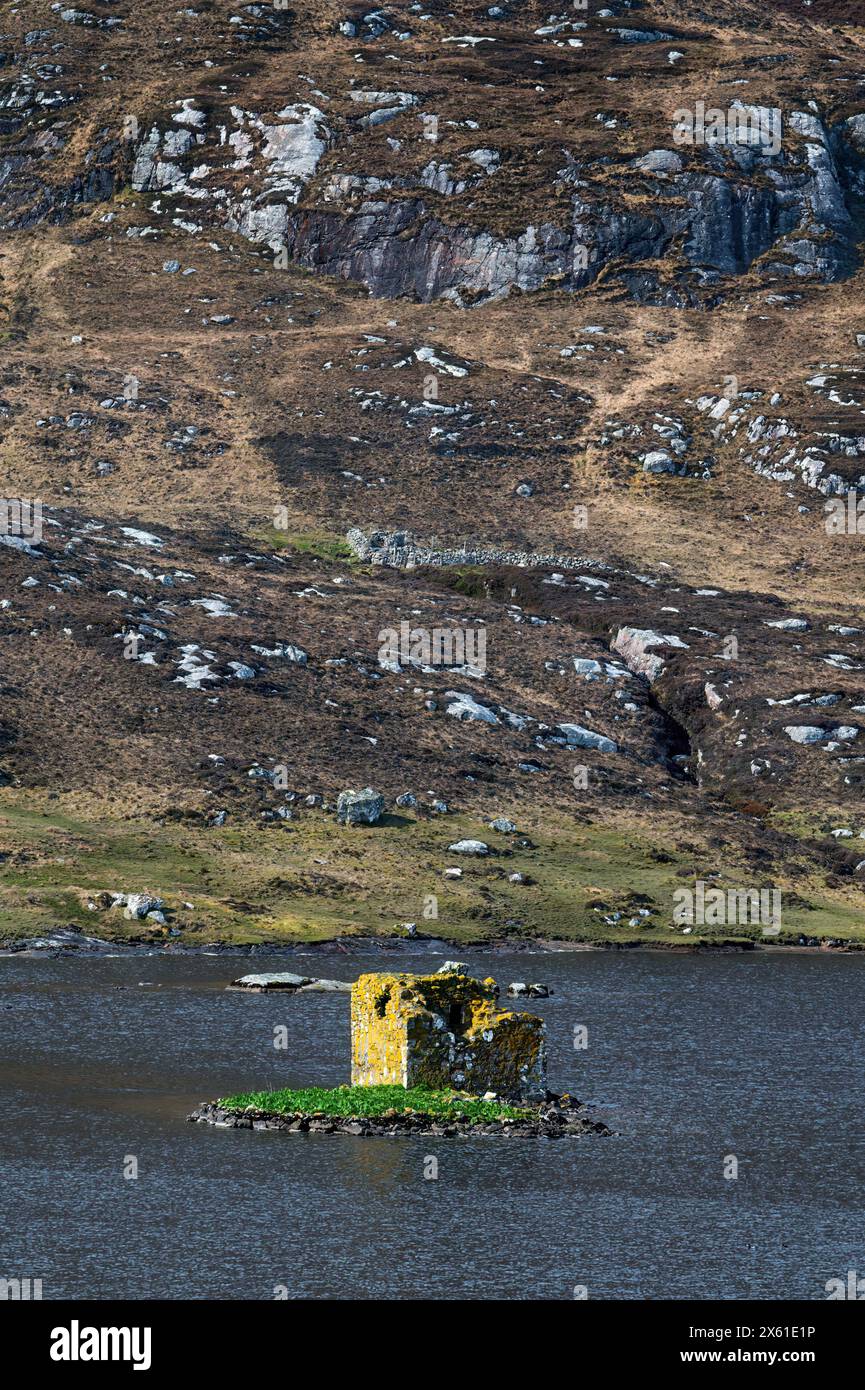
[374, 1102]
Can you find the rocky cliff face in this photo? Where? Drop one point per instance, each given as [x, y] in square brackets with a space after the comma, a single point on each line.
[736, 205]
[724, 220]
[407, 186]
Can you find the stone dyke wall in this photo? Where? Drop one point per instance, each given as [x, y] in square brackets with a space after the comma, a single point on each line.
[399, 550]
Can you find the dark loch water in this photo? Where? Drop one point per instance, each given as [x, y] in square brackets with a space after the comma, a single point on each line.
[692, 1059]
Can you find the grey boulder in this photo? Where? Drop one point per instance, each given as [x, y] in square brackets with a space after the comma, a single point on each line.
[359, 808]
[288, 983]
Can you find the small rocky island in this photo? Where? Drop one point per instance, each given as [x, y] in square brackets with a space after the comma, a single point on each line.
[431, 1054]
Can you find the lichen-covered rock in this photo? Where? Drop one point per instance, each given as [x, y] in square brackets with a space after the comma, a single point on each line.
[444, 1030]
[813, 733]
[357, 808]
[805, 733]
[659, 162]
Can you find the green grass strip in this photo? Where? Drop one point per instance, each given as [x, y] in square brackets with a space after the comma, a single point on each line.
[373, 1102]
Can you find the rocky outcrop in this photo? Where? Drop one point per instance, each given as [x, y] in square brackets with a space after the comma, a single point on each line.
[729, 207]
[398, 248]
[725, 217]
[828, 460]
[27, 196]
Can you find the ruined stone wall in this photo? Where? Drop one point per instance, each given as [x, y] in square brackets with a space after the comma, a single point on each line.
[378, 1033]
[398, 550]
[444, 1031]
[505, 1052]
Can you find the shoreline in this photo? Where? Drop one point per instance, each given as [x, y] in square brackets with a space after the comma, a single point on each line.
[67, 944]
[559, 1117]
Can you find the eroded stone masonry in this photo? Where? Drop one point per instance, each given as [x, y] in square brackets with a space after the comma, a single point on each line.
[444, 1031]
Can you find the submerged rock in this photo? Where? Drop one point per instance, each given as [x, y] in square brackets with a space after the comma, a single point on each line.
[288, 983]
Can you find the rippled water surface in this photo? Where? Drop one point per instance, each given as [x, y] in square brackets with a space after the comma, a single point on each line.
[690, 1058]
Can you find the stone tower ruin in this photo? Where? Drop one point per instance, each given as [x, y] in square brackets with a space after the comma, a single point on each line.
[444, 1031]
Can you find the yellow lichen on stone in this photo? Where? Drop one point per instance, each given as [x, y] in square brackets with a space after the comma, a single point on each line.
[378, 1042]
[443, 1030]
